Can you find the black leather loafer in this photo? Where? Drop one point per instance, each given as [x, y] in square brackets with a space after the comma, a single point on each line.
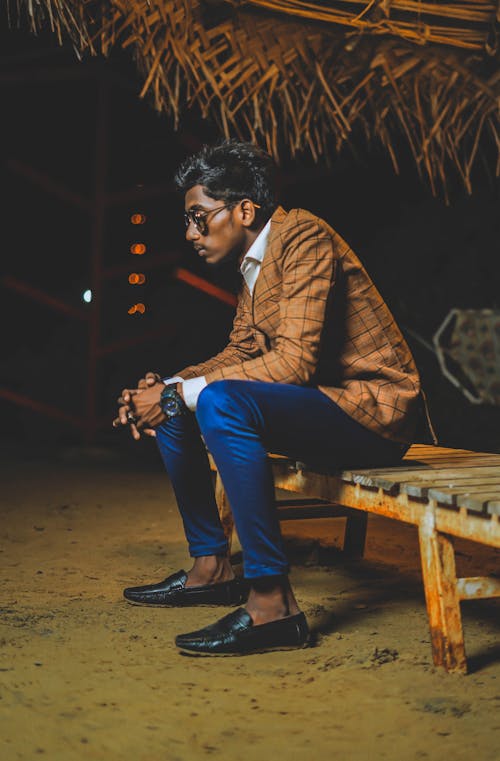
[235, 634]
[172, 591]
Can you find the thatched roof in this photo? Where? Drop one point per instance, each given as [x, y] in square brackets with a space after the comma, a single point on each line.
[296, 75]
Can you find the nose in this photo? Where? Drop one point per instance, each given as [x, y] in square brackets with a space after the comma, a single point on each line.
[192, 233]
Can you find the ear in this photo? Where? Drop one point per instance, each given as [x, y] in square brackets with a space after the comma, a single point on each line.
[247, 213]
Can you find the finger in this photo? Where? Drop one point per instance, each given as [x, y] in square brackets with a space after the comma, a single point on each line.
[120, 421]
[117, 422]
[122, 415]
[142, 383]
[135, 433]
[127, 395]
[150, 432]
[152, 378]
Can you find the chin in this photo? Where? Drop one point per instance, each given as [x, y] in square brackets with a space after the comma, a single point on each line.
[217, 261]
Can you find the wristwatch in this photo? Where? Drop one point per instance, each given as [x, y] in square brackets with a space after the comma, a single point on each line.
[171, 402]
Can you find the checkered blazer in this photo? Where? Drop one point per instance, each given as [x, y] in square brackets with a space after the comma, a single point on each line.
[315, 318]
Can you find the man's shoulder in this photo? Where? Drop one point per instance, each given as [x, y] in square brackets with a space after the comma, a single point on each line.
[299, 225]
[298, 221]
[294, 218]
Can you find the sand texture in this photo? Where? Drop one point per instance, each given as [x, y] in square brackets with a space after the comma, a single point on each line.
[84, 675]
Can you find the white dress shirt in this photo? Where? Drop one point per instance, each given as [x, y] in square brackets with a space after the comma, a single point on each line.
[249, 268]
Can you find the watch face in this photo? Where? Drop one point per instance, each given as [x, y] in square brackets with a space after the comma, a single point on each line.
[171, 402]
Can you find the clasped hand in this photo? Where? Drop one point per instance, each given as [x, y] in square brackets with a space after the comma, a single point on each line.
[143, 403]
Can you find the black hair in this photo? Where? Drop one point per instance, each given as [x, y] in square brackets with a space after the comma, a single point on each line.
[230, 171]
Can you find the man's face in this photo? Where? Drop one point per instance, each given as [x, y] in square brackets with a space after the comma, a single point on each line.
[223, 234]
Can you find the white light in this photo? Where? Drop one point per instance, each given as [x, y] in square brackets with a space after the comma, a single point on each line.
[87, 296]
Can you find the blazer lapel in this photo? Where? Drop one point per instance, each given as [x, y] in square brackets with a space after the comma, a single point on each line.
[264, 280]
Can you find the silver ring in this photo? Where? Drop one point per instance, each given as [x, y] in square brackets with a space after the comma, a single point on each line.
[131, 418]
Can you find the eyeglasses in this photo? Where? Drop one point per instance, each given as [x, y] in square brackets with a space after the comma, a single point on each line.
[199, 218]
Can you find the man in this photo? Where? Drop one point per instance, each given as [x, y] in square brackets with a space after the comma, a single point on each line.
[315, 368]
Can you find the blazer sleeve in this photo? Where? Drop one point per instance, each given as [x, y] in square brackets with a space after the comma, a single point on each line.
[241, 347]
[308, 275]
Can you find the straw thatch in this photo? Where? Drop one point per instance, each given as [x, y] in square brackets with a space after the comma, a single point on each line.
[468, 25]
[282, 81]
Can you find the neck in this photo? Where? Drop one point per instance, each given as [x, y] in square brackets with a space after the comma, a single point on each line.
[251, 236]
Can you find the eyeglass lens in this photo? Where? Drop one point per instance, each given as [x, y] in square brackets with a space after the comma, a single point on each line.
[200, 218]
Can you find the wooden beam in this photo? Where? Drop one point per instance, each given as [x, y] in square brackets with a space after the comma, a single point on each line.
[442, 599]
[478, 588]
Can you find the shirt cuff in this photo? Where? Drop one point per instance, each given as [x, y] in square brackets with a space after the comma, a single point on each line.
[173, 379]
[191, 389]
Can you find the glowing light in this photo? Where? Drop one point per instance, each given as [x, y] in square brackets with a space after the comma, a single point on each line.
[87, 296]
[137, 309]
[138, 248]
[138, 219]
[136, 278]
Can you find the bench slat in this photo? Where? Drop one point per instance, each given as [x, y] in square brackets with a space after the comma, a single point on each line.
[410, 481]
[455, 496]
[452, 484]
[419, 450]
[435, 462]
[408, 466]
[433, 450]
[487, 502]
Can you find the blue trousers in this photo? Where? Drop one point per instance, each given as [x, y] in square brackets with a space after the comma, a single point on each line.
[241, 421]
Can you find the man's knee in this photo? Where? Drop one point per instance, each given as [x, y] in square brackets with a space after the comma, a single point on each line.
[213, 395]
[219, 400]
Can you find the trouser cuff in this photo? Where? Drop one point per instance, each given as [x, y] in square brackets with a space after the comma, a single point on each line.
[198, 552]
[257, 572]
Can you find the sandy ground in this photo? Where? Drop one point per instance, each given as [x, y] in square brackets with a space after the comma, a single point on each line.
[84, 675]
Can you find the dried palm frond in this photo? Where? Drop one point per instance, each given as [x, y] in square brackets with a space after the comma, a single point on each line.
[467, 25]
[64, 18]
[281, 82]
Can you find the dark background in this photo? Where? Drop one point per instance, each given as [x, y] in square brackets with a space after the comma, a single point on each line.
[425, 257]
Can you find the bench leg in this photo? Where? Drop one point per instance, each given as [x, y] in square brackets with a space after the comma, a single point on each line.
[225, 512]
[355, 533]
[443, 603]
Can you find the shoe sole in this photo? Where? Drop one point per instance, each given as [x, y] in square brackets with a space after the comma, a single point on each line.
[194, 653]
[190, 605]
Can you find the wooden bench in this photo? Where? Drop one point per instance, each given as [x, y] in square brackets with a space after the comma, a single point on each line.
[446, 493]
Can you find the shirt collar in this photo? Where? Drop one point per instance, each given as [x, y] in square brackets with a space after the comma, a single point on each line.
[258, 248]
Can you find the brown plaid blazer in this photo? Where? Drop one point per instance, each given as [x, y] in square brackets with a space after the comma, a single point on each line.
[315, 318]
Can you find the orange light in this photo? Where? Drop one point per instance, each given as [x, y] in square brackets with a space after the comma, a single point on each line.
[137, 309]
[138, 248]
[138, 219]
[136, 278]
